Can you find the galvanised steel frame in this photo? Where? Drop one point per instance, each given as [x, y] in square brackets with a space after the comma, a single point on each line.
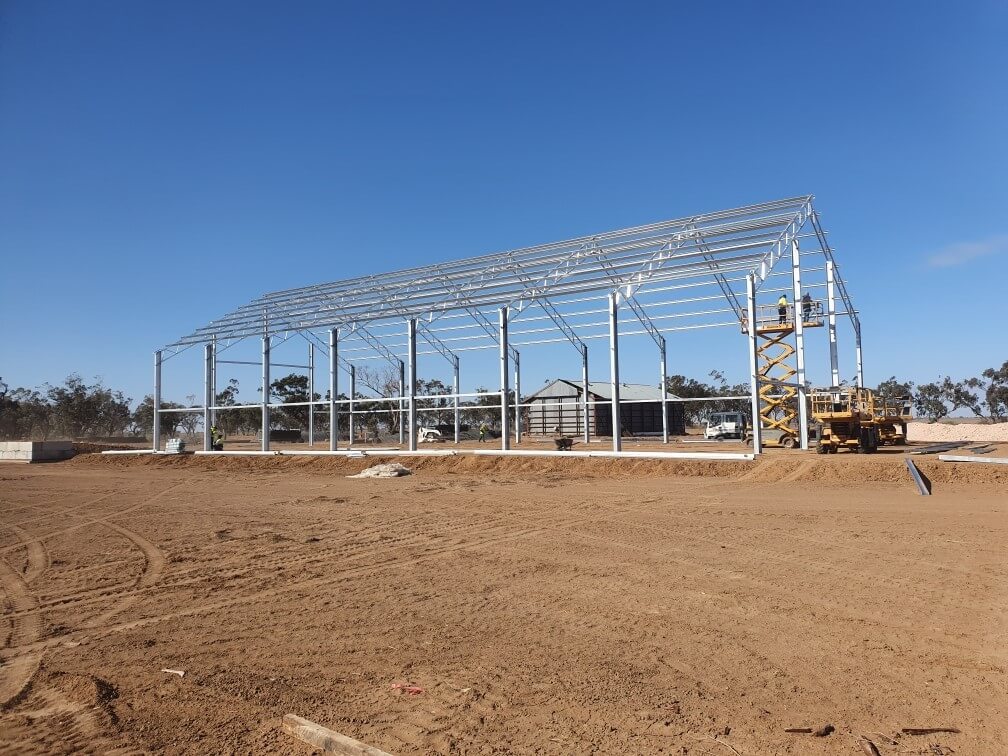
[699, 271]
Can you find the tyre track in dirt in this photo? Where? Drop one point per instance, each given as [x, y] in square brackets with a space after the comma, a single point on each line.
[254, 564]
[20, 666]
[292, 587]
[153, 568]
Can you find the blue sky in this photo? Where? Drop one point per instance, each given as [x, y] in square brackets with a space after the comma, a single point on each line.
[165, 162]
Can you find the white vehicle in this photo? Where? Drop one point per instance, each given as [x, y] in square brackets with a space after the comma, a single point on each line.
[725, 425]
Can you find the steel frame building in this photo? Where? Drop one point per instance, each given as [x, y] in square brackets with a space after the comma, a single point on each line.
[699, 271]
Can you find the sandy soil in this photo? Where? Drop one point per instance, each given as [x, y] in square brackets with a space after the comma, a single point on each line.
[543, 606]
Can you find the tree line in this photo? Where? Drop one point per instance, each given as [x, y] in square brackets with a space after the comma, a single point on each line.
[76, 409]
[986, 396]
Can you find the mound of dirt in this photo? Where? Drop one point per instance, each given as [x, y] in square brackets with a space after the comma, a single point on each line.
[773, 467]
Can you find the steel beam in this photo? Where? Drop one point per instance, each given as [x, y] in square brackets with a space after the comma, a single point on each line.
[353, 396]
[455, 399]
[503, 343]
[333, 385]
[799, 345]
[213, 381]
[751, 337]
[584, 394]
[857, 353]
[157, 401]
[265, 392]
[617, 426]
[517, 392]
[831, 323]
[311, 394]
[402, 408]
[663, 377]
[207, 389]
[411, 329]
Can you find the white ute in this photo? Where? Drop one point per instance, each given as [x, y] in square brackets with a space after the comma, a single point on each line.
[725, 425]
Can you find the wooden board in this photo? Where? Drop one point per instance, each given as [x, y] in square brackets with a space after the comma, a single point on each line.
[328, 741]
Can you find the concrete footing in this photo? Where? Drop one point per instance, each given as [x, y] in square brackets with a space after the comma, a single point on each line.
[35, 451]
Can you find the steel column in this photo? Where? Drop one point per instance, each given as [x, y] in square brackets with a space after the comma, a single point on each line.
[664, 394]
[333, 383]
[799, 345]
[353, 395]
[757, 430]
[157, 401]
[311, 394]
[402, 407]
[207, 389]
[456, 390]
[517, 391]
[411, 386]
[857, 352]
[584, 393]
[831, 310]
[617, 426]
[503, 342]
[213, 381]
[265, 392]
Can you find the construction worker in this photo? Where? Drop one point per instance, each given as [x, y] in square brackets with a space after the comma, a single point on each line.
[483, 431]
[782, 308]
[806, 308]
[216, 439]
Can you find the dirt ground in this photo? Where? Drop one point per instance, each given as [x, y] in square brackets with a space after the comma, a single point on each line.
[539, 605]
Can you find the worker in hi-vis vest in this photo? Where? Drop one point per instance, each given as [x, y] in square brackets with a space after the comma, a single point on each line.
[782, 308]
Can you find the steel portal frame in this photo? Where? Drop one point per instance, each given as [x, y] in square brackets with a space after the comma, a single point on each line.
[694, 272]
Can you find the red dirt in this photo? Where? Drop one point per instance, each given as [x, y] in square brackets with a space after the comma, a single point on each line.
[543, 605]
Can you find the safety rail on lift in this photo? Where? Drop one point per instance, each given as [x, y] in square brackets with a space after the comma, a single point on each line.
[842, 403]
[893, 408]
[770, 320]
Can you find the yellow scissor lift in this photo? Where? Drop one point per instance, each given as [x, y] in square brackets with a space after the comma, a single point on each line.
[778, 408]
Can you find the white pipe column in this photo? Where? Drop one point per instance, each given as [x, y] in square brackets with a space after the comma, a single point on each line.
[411, 385]
[503, 339]
[799, 344]
[353, 394]
[831, 314]
[333, 382]
[857, 351]
[207, 389]
[584, 393]
[664, 394]
[402, 406]
[456, 390]
[157, 401]
[213, 381]
[265, 392]
[311, 394]
[757, 429]
[517, 390]
[617, 426]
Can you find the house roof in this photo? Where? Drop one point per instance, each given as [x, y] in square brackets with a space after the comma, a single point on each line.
[602, 390]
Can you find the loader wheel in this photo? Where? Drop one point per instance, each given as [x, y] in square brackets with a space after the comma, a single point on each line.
[788, 442]
[822, 449]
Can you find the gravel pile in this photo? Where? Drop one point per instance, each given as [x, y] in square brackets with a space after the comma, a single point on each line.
[957, 432]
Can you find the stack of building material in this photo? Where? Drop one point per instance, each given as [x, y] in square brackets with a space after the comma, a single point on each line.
[175, 446]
